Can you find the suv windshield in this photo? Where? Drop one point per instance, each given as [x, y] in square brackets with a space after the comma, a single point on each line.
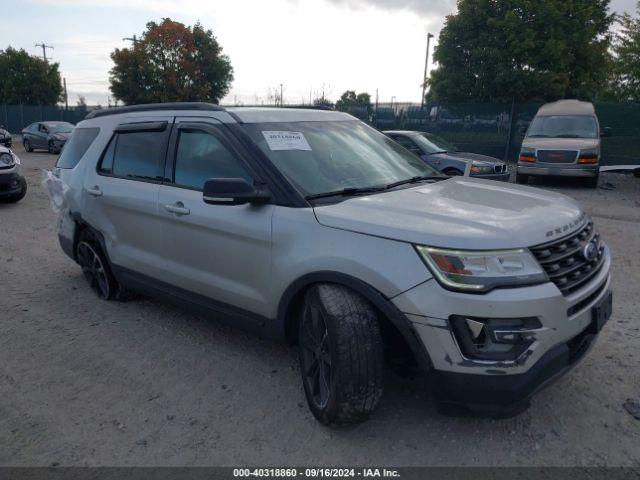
[59, 127]
[564, 126]
[433, 144]
[322, 157]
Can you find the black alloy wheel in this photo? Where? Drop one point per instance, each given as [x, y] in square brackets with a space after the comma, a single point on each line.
[94, 270]
[316, 354]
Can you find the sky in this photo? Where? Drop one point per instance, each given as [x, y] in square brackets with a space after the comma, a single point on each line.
[309, 46]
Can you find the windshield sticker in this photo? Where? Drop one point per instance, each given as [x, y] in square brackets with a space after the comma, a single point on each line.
[286, 141]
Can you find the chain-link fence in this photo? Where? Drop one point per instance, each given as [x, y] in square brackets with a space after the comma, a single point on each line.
[491, 129]
[16, 117]
[498, 129]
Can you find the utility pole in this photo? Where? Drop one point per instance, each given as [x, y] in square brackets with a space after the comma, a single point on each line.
[426, 68]
[44, 49]
[66, 97]
[281, 97]
[133, 39]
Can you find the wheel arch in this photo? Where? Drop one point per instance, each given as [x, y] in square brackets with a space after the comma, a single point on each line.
[390, 316]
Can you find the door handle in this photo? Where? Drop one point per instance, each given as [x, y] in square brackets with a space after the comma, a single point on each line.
[178, 208]
[95, 191]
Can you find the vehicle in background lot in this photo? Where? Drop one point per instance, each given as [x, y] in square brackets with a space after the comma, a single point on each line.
[50, 136]
[447, 159]
[562, 140]
[312, 227]
[5, 137]
[13, 186]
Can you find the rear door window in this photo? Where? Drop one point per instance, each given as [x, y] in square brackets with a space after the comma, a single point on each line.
[136, 155]
[80, 141]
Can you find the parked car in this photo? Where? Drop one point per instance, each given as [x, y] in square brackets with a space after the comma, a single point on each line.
[5, 137]
[50, 136]
[562, 140]
[13, 186]
[446, 158]
[312, 227]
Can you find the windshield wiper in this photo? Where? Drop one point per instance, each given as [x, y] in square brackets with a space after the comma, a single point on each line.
[346, 192]
[417, 179]
[569, 135]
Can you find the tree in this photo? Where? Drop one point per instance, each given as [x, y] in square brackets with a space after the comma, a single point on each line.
[350, 99]
[28, 80]
[322, 101]
[499, 50]
[82, 101]
[171, 63]
[625, 66]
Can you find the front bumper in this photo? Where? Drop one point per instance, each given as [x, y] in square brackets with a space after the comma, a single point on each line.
[502, 386]
[583, 171]
[500, 177]
[10, 184]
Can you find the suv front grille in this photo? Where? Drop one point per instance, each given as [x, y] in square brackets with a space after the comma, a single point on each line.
[564, 260]
[557, 156]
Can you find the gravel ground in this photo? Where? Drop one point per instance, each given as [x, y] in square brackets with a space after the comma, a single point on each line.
[86, 382]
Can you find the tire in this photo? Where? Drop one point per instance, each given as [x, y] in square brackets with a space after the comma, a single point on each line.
[453, 172]
[95, 266]
[341, 355]
[522, 179]
[27, 145]
[592, 182]
[51, 148]
[21, 195]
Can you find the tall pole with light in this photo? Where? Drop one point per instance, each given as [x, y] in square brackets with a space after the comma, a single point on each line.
[426, 69]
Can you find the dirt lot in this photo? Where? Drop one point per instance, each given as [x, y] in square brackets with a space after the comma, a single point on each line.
[86, 382]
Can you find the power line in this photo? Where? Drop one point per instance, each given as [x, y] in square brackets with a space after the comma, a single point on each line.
[44, 49]
[133, 39]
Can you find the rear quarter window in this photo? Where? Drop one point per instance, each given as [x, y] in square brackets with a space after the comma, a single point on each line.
[75, 148]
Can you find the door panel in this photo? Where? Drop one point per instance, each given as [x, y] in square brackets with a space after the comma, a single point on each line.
[126, 212]
[220, 251]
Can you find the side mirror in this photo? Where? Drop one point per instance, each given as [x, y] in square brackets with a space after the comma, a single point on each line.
[232, 191]
[605, 132]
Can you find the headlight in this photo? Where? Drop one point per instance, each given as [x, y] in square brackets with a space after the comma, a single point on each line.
[481, 169]
[6, 159]
[481, 271]
[527, 155]
[588, 155]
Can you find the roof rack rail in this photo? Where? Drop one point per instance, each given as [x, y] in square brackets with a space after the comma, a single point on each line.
[150, 107]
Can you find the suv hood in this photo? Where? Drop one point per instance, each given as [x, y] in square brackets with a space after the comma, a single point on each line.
[560, 143]
[462, 213]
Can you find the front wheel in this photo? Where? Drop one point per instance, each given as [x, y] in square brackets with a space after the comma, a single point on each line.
[592, 182]
[341, 355]
[27, 145]
[21, 195]
[52, 148]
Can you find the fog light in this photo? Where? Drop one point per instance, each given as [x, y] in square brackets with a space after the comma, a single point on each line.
[493, 339]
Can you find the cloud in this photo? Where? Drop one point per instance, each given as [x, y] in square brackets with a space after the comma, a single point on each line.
[431, 8]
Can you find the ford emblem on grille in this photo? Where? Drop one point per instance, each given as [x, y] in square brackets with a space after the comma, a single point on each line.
[590, 251]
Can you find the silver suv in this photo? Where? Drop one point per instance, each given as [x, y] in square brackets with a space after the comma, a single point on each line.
[311, 227]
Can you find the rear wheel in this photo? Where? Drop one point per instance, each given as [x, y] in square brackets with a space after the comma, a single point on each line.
[341, 355]
[95, 266]
[522, 179]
